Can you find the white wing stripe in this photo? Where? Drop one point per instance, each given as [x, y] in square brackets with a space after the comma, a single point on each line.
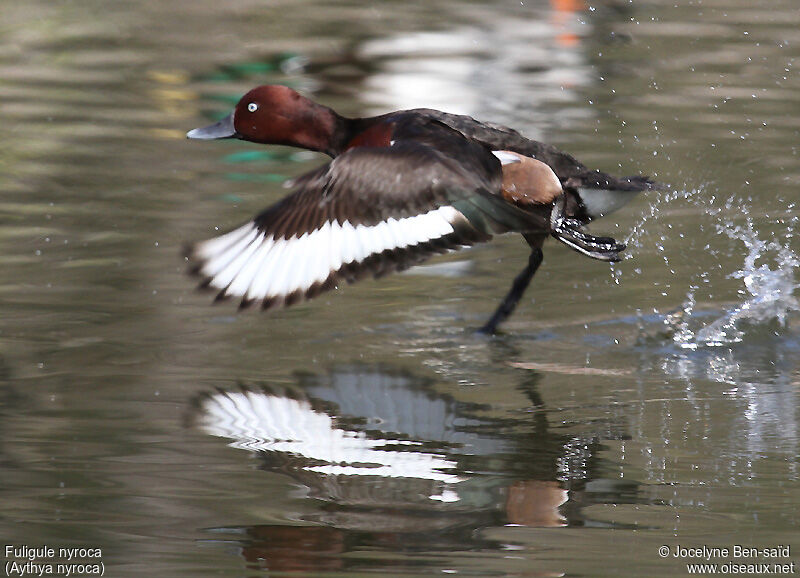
[384, 236]
[218, 245]
[283, 268]
[297, 263]
[261, 283]
[334, 257]
[249, 272]
[236, 259]
[349, 242]
[247, 263]
[325, 260]
[217, 262]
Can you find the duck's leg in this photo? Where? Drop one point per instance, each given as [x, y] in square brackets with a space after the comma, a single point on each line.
[521, 282]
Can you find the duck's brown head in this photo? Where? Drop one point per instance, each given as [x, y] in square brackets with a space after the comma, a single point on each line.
[274, 114]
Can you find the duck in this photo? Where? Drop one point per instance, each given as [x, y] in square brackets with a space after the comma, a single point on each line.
[400, 188]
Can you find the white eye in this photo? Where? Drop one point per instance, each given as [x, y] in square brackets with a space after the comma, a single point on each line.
[252, 107]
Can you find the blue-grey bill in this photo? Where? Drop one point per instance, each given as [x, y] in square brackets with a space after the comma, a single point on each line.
[221, 129]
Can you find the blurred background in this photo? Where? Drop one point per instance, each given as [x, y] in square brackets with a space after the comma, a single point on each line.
[626, 406]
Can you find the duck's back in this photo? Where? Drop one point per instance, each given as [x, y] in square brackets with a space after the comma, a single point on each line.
[571, 172]
[499, 137]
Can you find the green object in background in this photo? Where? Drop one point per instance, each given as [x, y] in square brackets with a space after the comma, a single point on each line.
[230, 99]
[284, 62]
[230, 198]
[252, 156]
[256, 177]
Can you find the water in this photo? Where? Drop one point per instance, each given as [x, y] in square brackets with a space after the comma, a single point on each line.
[767, 295]
[767, 276]
[626, 407]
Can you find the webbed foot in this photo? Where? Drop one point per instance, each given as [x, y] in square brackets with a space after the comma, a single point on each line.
[570, 232]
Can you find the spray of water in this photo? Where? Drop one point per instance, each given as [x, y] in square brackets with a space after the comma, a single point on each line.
[767, 295]
[767, 274]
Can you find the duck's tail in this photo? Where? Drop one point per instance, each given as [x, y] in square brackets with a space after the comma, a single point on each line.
[601, 194]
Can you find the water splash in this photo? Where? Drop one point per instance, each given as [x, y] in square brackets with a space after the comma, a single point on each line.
[640, 230]
[767, 295]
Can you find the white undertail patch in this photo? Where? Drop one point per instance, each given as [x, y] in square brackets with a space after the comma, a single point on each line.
[600, 202]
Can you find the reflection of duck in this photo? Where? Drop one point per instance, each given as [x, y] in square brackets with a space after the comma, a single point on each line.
[397, 462]
[351, 428]
[290, 424]
[402, 187]
[363, 436]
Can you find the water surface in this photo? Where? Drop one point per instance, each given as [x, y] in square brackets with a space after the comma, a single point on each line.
[653, 402]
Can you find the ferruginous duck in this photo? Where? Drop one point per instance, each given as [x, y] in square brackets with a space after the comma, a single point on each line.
[401, 187]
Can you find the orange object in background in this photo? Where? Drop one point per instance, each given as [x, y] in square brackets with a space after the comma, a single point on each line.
[563, 12]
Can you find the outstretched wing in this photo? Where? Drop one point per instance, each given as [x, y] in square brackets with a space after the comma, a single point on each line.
[371, 210]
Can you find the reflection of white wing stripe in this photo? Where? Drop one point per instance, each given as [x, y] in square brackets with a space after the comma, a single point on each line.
[248, 263]
[263, 422]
